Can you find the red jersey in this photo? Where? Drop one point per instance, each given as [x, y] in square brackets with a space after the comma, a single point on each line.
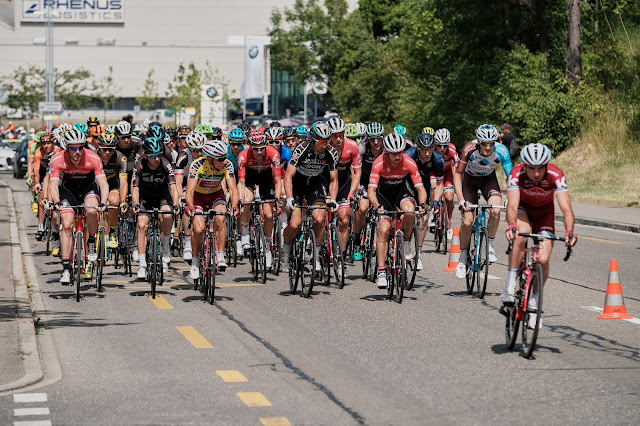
[394, 178]
[349, 157]
[90, 163]
[450, 158]
[270, 160]
[540, 193]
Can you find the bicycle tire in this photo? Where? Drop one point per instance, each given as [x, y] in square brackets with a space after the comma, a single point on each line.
[437, 236]
[337, 257]
[530, 335]
[101, 250]
[153, 261]
[47, 230]
[325, 270]
[482, 273]
[513, 323]
[294, 270]
[470, 275]
[78, 262]
[389, 266]
[261, 251]
[211, 269]
[307, 262]
[351, 236]
[412, 265]
[276, 243]
[365, 250]
[373, 254]
[400, 268]
[445, 232]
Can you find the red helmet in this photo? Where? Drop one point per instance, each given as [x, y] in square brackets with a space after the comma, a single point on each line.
[257, 138]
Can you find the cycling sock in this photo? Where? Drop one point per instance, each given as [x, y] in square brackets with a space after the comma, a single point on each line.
[491, 242]
[41, 227]
[511, 277]
[66, 264]
[316, 252]
[380, 269]
[357, 238]
[187, 242]
[245, 229]
[286, 248]
[165, 240]
[142, 260]
[463, 254]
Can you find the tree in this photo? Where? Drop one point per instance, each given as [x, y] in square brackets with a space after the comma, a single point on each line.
[149, 97]
[106, 91]
[574, 61]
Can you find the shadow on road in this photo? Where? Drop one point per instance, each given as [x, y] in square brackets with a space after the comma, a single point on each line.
[591, 341]
[62, 319]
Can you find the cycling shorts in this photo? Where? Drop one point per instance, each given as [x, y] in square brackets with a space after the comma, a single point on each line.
[151, 201]
[71, 195]
[343, 194]
[542, 218]
[264, 182]
[448, 180]
[311, 189]
[391, 200]
[204, 202]
[488, 186]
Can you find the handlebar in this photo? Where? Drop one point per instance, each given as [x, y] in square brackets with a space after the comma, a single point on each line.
[539, 237]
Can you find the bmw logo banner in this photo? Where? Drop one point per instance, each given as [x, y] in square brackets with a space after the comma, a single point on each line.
[254, 64]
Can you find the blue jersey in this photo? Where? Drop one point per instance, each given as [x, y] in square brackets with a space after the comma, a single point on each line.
[479, 165]
[432, 169]
[285, 156]
[234, 158]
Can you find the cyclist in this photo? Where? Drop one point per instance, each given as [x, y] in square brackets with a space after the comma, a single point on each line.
[259, 166]
[447, 150]
[237, 138]
[216, 134]
[205, 129]
[153, 186]
[127, 146]
[362, 133]
[302, 134]
[388, 190]
[93, 124]
[173, 138]
[195, 141]
[304, 181]
[349, 173]
[83, 181]
[532, 185]
[41, 161]
[183, 131]
[369, 151]
[477, 171]
[115, 168]
[431, 168]
[205, 191]
[402, 131]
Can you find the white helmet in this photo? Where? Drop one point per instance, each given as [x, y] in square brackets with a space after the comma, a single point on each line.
[486, 133]
[195, 140]
[442, 137]
[146, 123]
[111, 128]
[74, 137]
[336, 125]
[123, 128]
[362, 129]
[215, 149]
[64, 127]
[393, 142]
[535, 154]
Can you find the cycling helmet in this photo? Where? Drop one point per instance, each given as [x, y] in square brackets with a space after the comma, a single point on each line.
[442, 137]
[146, 123]
[362, 129]
[47, 137]
[81, 127]
[74, 137]
[93, 120]
[424, 140]
[245, 127]
[137, 134]
[205, 129]
[183, 131]
[171, 132]
[216, 132]
[152, 145]
[336, 124]
[65, 127]
[320, 131]
[393, 142]
[289, 132]
[195, 140]
[56, 133]
[351, 130]
[123, 128]
[375, 129]
[275, 124]
[237, 135]
[107, 140]
[274, 134]
[156, 130]
[535, 154]
[38, 134]
[302, 131]
[400, 129]
[215, 149]
[486, 133]
[257, 138]
[111, 128]
[429, 130]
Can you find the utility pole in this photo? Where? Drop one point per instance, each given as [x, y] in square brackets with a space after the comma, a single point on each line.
[49, 91]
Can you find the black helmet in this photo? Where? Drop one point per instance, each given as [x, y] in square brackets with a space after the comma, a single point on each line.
[245, 127]
[425, 140]
[152, 145]
[275, 124]
[216, 132]
[156, 130]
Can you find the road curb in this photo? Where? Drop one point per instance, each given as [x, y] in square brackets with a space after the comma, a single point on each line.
[28, 342]
[604, 224]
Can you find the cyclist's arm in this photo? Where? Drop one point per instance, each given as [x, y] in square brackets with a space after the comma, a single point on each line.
[356, 174]
[104, 188]
[36, 166]
[513, 201]
[233, 190]
[564, 202]
[422, 194]
[276, 183]
[122, 177]
[188, 195]
[288, 180]
[438, 190]
[505, 159]
[333, 184]
[457, 184]
[179, 179]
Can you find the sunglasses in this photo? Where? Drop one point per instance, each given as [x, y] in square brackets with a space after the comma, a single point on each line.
[323, 141]
[125, 137]
[219, 158]
[153, 156]
[93, 125]
[236, 144]
[107, 150]
[260, 149]
[487, 144]
[75, 148]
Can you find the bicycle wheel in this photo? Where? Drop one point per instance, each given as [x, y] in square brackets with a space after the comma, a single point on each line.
[513, 323]
[437, 236]
[482, 273]
[445, 231]
[470, 276]
[78, 262]
[47, 230]
[337, 258]
[412, 265]
[349, 250]
[400, 270]
[366, 260]
[260, 253]
[101, 250]
[307, 262]
[530, 334]
[390, 264]
[211, 269]
[324, 276]
[276, 243]
[372, 261]
[152, 252]
[294, 268]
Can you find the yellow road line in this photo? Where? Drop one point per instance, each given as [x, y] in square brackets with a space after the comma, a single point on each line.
[194, 337]
[160, 302]
[231, 376]
[275, 421]
[253, 399]
[601, 240]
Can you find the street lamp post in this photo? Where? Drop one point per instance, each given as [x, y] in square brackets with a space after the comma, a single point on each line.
[49, 85]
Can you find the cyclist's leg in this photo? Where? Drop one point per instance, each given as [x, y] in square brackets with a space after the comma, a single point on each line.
[114, 200]
[343, 224]
[267, 219]
[543, 222]
[491, 193]
[515, 257]
[384, 229]
[470, 193]
[247, 197]
[221, 224]
[143, 225]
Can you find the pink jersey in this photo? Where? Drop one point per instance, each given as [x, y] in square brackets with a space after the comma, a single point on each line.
[90, 162]
[393, 178]
[540, 193]
[450, 158]
[270, 160]
[349, 158]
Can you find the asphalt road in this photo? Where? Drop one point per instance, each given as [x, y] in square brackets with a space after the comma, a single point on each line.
[262, 356]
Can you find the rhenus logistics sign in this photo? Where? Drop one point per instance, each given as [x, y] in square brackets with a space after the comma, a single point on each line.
[79, 11]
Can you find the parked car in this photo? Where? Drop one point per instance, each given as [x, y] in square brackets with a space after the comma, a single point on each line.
[20, 159]
[6, 157]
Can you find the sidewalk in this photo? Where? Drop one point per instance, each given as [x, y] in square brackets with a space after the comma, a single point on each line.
[603, 216]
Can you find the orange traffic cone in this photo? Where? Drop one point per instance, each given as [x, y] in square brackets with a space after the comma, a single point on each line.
[454, 253]
[613, 301]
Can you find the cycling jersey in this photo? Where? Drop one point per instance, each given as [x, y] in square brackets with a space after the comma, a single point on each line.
[432, 170]
[383, 176]
[153, 180]
[183, 161]
[450, 158]
[309, 163]
[89, 167]
[130, 153]
[208, 179]
[475, 164]
[248, 164]
[349, 157]
[285, 157]
[234, 158]
[537, 193]
[368, 157]
[41, 162]
[114, 169]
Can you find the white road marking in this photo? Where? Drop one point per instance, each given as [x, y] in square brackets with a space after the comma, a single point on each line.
[597, 309]
[35, 411]
[30, 397]
[490, 277]
[33, 423]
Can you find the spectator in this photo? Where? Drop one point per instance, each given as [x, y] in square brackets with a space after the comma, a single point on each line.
[508, 139]
[128, 118]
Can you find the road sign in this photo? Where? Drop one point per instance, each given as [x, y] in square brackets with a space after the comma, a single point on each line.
[50, 107]
[50, 117]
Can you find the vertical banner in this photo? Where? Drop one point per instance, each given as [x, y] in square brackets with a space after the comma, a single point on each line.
[253, 65]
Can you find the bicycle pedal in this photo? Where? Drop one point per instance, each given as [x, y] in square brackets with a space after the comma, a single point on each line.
[505, 310]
